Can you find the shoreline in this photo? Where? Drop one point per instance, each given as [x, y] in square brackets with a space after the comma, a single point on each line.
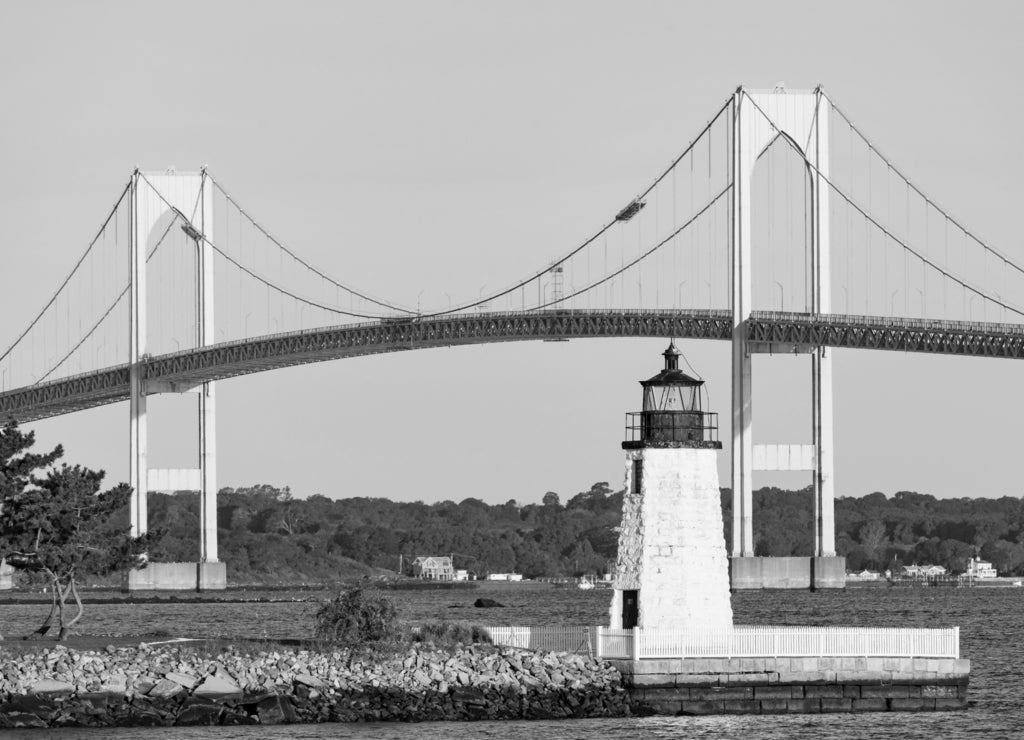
[176, 684]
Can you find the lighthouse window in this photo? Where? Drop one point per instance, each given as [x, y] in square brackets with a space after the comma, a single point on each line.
[638, 475]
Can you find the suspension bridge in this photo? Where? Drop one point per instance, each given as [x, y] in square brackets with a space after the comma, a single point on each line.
[781, 228]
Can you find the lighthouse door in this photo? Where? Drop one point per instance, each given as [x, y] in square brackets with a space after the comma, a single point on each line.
[630, 610]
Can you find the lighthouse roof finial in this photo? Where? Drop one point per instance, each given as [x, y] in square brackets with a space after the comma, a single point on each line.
[671, 356]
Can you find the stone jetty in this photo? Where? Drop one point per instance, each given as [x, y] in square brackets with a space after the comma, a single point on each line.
[171, 685]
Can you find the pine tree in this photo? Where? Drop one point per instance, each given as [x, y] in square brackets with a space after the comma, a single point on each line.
[61, 524]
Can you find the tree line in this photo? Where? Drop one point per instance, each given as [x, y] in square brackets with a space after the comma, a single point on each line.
[267, 535]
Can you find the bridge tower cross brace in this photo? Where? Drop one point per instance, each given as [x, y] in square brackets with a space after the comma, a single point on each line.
[757, 119]
[151, 200]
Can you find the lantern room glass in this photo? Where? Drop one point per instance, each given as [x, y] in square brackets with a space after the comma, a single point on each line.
[670, 398]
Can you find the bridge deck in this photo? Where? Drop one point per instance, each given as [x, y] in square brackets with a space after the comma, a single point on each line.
[229, 359]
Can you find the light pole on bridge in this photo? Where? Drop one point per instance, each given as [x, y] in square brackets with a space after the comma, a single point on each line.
[679, 295]
[782, 296]
[892, 301]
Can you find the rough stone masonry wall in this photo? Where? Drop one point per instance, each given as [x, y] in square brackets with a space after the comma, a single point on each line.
[672, 543]
[795, 685]
[178, 686]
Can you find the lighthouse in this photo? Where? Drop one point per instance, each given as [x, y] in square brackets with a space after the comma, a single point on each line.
[672, 570]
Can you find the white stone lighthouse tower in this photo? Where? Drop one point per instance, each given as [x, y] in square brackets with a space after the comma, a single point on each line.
[672, 570]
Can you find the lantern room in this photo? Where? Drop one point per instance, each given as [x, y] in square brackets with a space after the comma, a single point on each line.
[672, 415]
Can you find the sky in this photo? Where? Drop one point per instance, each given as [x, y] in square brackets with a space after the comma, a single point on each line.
[426, 150]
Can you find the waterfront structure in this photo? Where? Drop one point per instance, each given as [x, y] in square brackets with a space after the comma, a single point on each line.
[672, 569]
[516, 577]
[923, 571]
[434, 568]
[978, 568]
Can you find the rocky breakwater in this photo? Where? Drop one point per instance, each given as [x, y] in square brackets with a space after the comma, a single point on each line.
[169, 685]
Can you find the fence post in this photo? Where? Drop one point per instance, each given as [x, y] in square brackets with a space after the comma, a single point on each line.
[956, 638]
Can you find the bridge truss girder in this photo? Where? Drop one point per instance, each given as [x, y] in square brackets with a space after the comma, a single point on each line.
[226, 360]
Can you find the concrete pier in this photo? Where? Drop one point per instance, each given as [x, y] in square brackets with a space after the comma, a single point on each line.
[178, 577]
[794, 685]
[827, 571]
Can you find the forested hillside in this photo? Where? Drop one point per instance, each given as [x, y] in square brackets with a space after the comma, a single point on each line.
[267, 536]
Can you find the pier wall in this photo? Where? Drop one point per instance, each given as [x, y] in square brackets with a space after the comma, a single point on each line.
[787, 572]
[794, 685]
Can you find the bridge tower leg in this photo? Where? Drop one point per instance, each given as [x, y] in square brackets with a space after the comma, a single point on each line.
[758, 118]
[211, 572]
[188, 197]
[827, 571]
[742, 438]
[138, 470]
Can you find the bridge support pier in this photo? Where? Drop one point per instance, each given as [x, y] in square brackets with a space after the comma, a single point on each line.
[152, 197]
[758, 119]
[137, 443]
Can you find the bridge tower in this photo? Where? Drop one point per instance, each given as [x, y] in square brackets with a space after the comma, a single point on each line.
[155, 198]
[758, 118]
[672, 567]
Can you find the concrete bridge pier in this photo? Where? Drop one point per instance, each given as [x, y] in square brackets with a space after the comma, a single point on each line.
[758, 119]
[152, 198]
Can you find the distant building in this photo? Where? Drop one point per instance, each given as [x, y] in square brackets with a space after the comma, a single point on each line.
[462, 575]
[505, 577]
[434, 568]
[978, 568]
[864, 575]
[923, 571]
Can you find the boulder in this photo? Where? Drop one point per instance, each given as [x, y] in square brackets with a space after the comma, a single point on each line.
[311, 681]
[276, 710]
[200, 713]
[218, 689]
[49, 687]
[182, 679]
[22, 719]
[166, 689]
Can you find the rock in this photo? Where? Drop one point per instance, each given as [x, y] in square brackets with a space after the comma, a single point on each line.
[238, 718]
[166, 689]
[218, 689]
[276, 710]
[182, 679]
[200, 713]
[487, 604]
[115, 684]
[50, 687]
[311, 681]
[39, 706]
[469, 695]
[23, 719]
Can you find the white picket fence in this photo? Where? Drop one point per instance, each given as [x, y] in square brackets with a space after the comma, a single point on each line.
[559, 639]
[738, 642]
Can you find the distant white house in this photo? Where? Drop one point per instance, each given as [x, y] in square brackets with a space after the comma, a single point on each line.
[505, 577]
[978, 568]
[923, 571]
[864, 575]
[436, 568]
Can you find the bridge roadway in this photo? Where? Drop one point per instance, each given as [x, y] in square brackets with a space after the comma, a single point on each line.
[783, 330]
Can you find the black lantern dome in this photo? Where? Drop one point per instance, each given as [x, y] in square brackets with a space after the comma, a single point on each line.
[672, 415]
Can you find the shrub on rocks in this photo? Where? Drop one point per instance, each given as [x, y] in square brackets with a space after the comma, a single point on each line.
[448, 634]
[355, 616]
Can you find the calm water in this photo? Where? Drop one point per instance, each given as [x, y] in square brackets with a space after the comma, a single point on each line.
[991, 635]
